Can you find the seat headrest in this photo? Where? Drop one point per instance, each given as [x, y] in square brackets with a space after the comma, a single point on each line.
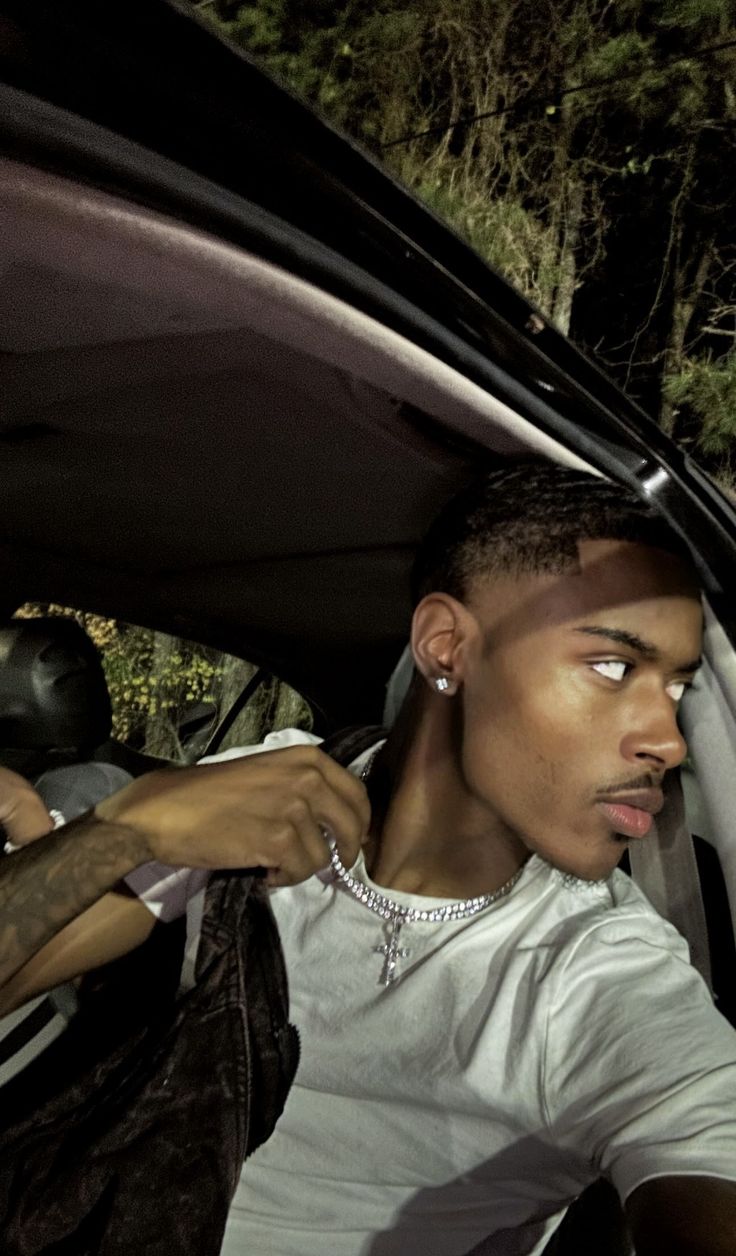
[53, 695]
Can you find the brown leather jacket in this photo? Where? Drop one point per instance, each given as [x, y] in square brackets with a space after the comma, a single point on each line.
[128, 1136]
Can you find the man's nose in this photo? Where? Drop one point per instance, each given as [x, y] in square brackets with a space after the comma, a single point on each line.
[653, 737]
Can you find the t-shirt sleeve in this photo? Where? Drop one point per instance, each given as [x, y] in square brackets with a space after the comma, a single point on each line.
[640, 1067]
[166, 891]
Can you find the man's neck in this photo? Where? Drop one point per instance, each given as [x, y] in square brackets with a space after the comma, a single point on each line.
[435, 838]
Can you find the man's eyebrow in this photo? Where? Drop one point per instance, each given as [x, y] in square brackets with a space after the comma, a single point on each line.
[645, 648]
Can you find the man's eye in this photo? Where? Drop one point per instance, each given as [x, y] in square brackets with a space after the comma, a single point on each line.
[613, 669]
[677, 689]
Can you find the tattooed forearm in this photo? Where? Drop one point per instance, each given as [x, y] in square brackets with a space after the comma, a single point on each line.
[49, 883]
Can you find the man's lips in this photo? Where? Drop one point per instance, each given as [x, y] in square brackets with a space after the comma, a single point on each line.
[631, 814]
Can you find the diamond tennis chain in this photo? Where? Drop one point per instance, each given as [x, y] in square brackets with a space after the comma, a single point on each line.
[397, 915]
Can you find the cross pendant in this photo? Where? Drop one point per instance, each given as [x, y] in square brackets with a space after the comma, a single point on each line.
[391, 952]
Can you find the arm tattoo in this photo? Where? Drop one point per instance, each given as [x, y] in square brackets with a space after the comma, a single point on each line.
[47, 884]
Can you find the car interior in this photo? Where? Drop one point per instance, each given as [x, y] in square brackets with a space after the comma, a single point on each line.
[222, 380]
[201, 440]
[164, 446]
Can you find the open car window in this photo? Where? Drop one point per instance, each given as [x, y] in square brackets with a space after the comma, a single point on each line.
[177, 700]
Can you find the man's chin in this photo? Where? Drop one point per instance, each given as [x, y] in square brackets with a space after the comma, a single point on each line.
[592, 869]
[591, 854]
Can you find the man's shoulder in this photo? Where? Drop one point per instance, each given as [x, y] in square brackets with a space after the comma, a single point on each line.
[624, 932]
[585, 924]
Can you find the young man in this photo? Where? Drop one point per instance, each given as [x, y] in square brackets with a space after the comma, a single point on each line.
[491, 1014]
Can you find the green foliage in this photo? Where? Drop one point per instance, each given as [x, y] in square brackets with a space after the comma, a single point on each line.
[708, 389]
[641, 82]
[301, 44]
[619, 55]
[151, 688]
[686, 14]
[595, 116]
[509, 236]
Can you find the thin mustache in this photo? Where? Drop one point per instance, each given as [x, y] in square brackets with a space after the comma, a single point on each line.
[638, 782]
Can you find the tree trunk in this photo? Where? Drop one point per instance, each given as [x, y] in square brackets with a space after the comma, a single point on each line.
[160, 736]
[570, 236]
[685, 298]
[235, 676]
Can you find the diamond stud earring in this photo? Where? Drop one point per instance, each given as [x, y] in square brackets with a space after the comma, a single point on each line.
[441, 684]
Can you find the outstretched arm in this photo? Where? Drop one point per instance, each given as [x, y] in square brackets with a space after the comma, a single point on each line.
[266, 810]
[116, 924]
[48, 884]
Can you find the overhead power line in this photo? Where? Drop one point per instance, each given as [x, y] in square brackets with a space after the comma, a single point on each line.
[590, 85]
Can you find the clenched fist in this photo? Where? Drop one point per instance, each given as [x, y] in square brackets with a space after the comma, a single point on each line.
[264, 810]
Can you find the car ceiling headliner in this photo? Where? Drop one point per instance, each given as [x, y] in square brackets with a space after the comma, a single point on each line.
[188, 443]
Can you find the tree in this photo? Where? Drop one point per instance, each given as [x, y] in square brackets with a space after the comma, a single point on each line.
[417, 66]
[669, 173]
[584, 148]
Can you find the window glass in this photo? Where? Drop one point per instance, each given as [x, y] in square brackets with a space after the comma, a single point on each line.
[170, 697]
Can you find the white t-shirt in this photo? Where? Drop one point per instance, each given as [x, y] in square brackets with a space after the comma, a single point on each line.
[558, 1036]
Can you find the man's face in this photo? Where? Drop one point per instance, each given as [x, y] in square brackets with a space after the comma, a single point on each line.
[570, 698]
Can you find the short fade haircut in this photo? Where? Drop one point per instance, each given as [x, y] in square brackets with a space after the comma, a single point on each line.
[527, 518]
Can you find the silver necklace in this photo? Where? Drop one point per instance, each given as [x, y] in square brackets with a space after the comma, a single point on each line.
[396, 915]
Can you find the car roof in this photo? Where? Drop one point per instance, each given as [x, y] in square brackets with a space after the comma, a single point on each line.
[242, 367]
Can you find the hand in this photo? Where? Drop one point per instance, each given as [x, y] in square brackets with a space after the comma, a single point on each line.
[264, 810]
[22, 813]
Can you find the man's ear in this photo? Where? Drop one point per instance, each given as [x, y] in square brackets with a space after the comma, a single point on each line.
[441, 631]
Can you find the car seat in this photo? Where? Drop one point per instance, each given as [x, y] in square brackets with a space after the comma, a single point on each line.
[54, 704]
